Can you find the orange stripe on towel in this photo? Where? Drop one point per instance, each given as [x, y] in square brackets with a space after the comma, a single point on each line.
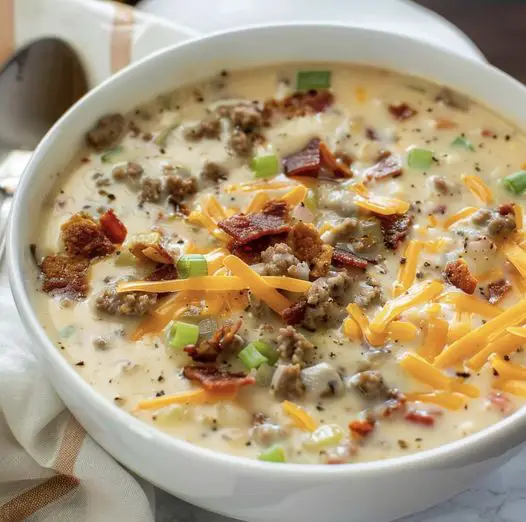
[7, 32]
[121, 37]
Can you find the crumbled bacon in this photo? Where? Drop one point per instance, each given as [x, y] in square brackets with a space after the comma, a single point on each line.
[419, 417]
[245, 228]
[445, 124]
[395, 228]
[295, 313]
[299, 104]
[65, 275]
[113, 227]
[487, 133]
[251, 252]
[496, 290]
[501, 402]
[310, 160]
[458, 274]
[361, 428]
[216, 380]
[402, 111]
[84, 237]
[209, 349]
[306, 162]
[506, 208]
[388, 167]
[341, 257]
[276, 207]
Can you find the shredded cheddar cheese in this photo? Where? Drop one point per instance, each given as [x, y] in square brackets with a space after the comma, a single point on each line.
[351, 329]
[301, 418]
[360, 94]
[257, 284]
[461, 214]
[513, 386]
[381, 205]
[449, 400]
[435, 339]
[362, 321]
[475, 340]
[253, 186]
[402, 331]
[516, 256]
[407, 272]
[471, 304]
[417, 294]
[257, 203]
[213, 208]
[519, 215]
[478, 188]
[507, 370]
[198, 396]
[295, 196]
[504, 345]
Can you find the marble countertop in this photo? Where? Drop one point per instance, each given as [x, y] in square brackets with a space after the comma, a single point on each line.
[499, 497]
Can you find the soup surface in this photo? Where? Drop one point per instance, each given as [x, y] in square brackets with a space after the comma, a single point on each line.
[304, 263]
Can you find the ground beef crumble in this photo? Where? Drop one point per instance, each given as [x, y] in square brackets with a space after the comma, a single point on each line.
[279, 260]
[293, 346]
[286, 382]
[126, 303]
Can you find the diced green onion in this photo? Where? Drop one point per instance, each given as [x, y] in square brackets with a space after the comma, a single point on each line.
[515, 182]
[265, 166]
[182, 334]
[267, 350]
[307, 80]
[161, 138]
[462, 142]
[251, 357]
[420, 158]
[67, 331]
[326, 435]
[110, 156]
[192, 265]
[275, 453]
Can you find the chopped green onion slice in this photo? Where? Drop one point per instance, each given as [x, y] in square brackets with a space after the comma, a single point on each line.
[265, 166]
[420, 158]
[515, 182]
[192, 265]
[463, 142]
[326, 435]
[267, 350]
[275, 453]
[251, 357]
[110, 156]
[182, 334]
[307, 80]
[67, 331]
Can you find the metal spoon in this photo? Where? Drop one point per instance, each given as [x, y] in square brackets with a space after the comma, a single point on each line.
[37, 85]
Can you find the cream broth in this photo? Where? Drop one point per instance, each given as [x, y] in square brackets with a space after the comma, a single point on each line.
[375, 401]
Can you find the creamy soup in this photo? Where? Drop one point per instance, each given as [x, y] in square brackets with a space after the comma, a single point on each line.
[304, 263]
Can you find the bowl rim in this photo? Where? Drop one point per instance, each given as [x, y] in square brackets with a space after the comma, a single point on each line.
[473, 443]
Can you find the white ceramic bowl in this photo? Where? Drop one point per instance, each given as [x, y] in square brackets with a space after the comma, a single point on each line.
[252, 490]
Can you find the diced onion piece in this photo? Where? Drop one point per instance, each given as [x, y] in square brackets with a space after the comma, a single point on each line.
[307, 80]
[275, 453]
[251, 357]
[302, 213]
[516, 182]
[265, 166]
[182, 334]
[301, 417]
[463, 143]
[326, 435]
[192, 265]
[420, 158]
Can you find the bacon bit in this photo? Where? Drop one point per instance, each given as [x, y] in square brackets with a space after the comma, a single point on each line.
[164, 273]
[209, 349]
[506, 208]
[345, 158]
[501, 402]
[329, 161]
[371, 134]
[63, 275]
[294, 314]
[247, 228]
[391, 406]
[390, 166]
[402, 111]
[419, 417]
[361, 428]
[84, 237]
[306, 162]
[310, 160]
[487, 133]
[113, 227]
[458, 274]
[341, 257]
[301, 103]
[496, 290]
[305, 242]
[322, 263]
[445, 124]
[217, 381]
[395, 228]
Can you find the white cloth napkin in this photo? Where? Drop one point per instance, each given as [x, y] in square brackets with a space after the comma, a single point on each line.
[50, 469]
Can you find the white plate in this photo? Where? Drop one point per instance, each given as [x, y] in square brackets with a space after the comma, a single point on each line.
[399, 16]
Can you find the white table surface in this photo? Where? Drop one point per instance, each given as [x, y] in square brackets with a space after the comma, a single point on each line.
[499, 497]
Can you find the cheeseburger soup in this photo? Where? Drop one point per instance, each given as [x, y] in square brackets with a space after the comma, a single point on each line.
[304, 263]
